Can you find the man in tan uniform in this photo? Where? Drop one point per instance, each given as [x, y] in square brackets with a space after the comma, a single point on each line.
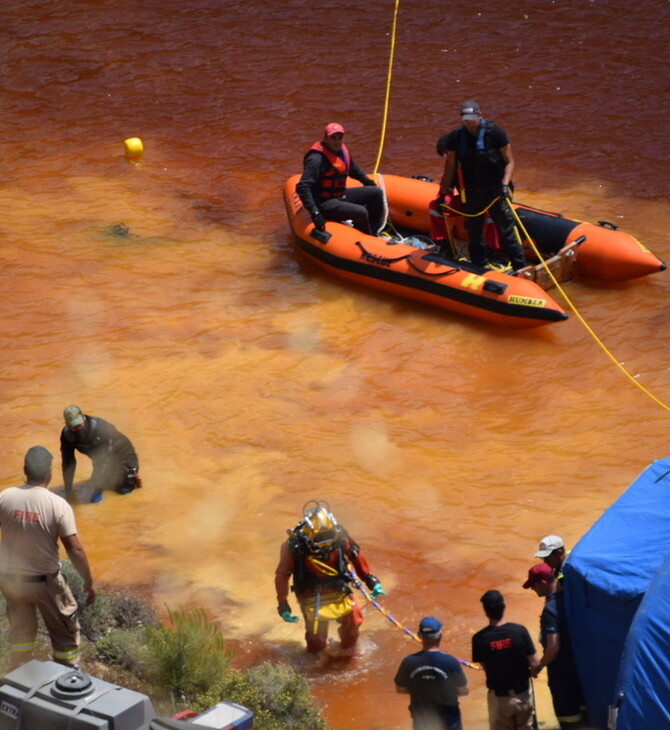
[32, 520]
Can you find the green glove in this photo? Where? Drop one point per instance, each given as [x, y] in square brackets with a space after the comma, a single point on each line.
[377, 591]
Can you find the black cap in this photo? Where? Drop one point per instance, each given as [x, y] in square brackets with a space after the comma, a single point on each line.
[37, 462]
[470, 111]
[492, 599]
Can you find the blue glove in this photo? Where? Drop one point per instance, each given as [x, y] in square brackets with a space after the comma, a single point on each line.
[96, 497]
[284, 610]
[377, 591]
[286, 615]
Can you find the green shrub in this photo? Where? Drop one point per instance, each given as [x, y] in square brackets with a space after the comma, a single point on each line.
[187, 657]
[124, 648]
[278, 695]
[129, 611]
[184, 664]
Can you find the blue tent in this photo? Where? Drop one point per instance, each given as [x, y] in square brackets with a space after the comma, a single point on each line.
[607, 575]
[643, 680]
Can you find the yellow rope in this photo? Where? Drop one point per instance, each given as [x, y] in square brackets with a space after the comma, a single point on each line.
[589, 329]
[388, 88]
[470, 215]
[518, 221]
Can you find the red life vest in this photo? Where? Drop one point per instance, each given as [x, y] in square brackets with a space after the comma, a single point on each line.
[333, 183]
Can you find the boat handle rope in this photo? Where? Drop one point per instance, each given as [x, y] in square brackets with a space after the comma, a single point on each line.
[577, 314]
[385, 261]
[380, 259]
[354, 579]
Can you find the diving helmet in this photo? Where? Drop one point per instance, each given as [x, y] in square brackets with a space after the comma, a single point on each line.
[319, 526]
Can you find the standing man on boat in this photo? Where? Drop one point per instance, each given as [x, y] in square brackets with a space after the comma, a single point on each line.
[322, 558]
[557, 657]
[33, 520]
[507, 653]
[433, 680]
[115, 463]
[480, 163]
[323, 186]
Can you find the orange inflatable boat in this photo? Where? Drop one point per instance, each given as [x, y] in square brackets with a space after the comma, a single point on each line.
[404, 269]
[410, 266]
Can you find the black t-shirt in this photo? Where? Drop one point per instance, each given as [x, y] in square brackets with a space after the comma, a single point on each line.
[504, 652]
[496, 138]
[478, 154]
[432, 678]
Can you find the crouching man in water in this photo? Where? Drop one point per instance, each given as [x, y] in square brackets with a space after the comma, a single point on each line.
[317, 554]
[115, 463]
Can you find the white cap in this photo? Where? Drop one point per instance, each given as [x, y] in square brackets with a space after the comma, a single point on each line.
[548, 545]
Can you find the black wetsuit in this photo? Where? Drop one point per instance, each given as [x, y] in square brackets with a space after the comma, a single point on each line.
[115, 463]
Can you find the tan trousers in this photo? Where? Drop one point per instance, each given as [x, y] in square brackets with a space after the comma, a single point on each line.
[514, 712]
[55, 602]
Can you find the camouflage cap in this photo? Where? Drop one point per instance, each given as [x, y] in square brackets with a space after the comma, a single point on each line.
[73, 416]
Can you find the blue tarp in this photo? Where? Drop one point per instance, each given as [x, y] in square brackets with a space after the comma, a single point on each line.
[643, 679]
[606, 576]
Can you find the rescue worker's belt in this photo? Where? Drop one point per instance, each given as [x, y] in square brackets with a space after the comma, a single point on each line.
[509, 692]
[27, 577]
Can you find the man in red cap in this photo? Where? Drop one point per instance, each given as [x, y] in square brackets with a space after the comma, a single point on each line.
[557, 657]
[323, 186]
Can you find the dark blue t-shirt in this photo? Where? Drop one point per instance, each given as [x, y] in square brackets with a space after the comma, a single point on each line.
[554, 621]
[432, 678]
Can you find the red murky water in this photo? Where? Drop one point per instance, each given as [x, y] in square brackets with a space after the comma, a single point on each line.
[249, 382]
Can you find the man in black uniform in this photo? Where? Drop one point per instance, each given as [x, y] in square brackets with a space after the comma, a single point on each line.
[557, 657]
[508, 655]
[323, 186]
[433, 680]
[115, 463]
[480, 163]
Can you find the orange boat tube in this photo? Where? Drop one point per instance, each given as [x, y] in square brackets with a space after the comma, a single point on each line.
[404, 270]
[604, 253]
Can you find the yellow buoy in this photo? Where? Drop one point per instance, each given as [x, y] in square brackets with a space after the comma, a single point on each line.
[133, 147]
